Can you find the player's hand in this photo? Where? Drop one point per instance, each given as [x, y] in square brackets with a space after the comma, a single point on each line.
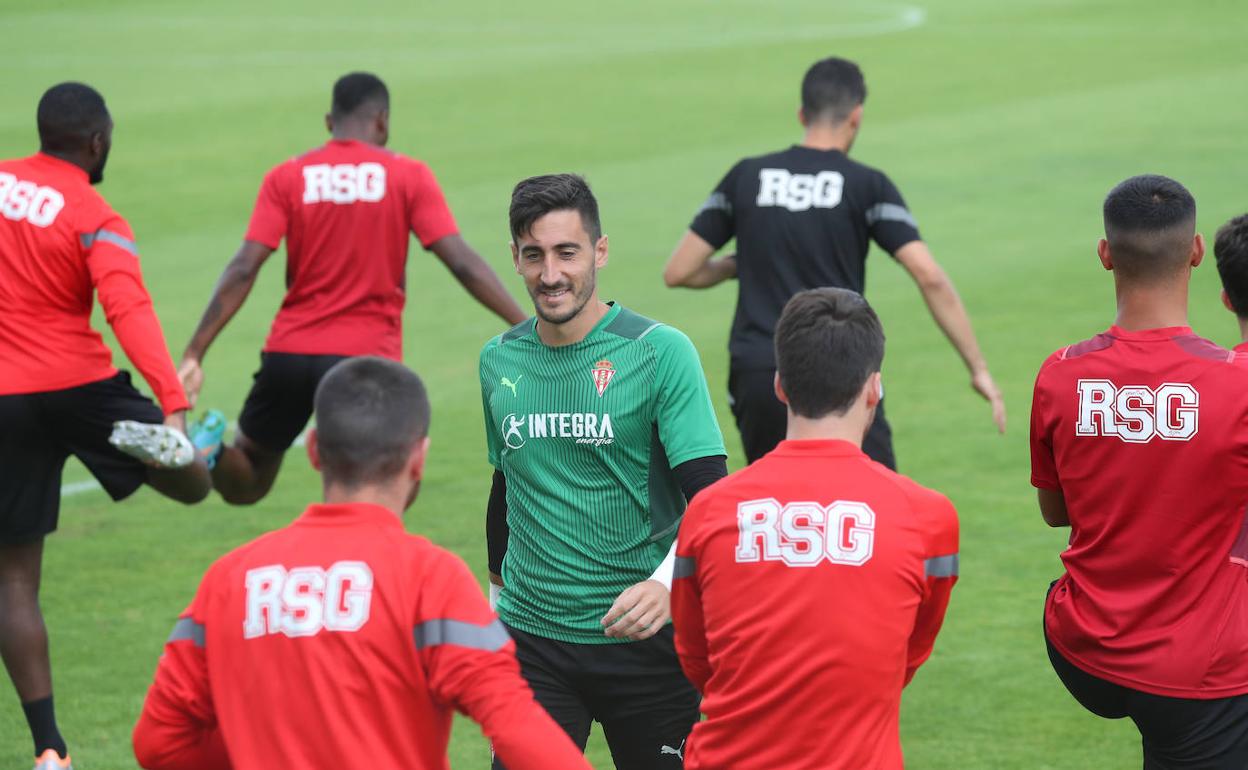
[177, 420]
[192, 376]
[639, 612]
[983, 384]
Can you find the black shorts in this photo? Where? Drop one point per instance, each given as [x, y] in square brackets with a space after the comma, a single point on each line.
[39, 431]
[280, 402]
[762, 420]
[635, 690]
[1187, 733]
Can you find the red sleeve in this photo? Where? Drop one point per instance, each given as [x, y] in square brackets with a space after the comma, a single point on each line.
[271, 216]
[687, 617]
[1043, 466]
[470, 662]
[177, 729]
[113, 262]
[940, 573]
[430, 216]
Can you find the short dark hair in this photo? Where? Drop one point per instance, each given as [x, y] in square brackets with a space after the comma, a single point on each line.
[356, 90]
[370, 413]
[68, 114]
[831, 89]
[1230, 250]
[828, 342]
[1150, 221]
[537, 196]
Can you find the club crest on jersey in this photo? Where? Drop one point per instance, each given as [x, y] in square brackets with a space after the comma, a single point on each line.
[602, 373]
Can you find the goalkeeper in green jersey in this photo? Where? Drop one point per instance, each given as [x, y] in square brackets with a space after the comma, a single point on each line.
[599, 427]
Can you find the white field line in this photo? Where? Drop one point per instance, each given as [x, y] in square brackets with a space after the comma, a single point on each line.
[90, 485]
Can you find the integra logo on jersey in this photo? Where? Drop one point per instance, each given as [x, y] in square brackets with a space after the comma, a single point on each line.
[799, 192]
[344, 183]
[1137, 413]
[582, 427]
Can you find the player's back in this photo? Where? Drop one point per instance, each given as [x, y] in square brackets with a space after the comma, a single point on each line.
[49, 218]
[1145, 433]
[811, 567]
[346, 210]
[319, 636]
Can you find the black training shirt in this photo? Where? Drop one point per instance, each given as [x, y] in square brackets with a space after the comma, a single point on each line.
[802, 219]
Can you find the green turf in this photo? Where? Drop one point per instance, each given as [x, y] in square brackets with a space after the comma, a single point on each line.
[1003, 123]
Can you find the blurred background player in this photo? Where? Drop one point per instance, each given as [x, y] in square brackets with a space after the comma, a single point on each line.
[1230, 251]
[599, 427]
[810, 586]
[60, 394]
[1139, 443]
[803, 218]
[356, 638]
[346, 210]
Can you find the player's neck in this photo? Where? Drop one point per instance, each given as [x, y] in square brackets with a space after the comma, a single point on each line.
[353, 134]
[388, 496]
[1152, 307]
[823, 137]
[851, 427]
[1243, 328]
[576, 329]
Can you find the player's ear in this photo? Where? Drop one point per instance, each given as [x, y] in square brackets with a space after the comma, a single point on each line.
[1102, 251]
[855, 118]
[801, 117]
[329, 122]
[600, 252]
[416, 461]
[314, 449]
[515, 255]
[1198, 249]
[382, 126]
[780, 394]
[1226, 302]
[874, 390]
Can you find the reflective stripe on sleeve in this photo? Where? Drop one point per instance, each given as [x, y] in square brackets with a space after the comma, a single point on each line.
[941, 566]
[108, 236]
[187, 628]
[490, 637]
[889, 212]
[685, 567]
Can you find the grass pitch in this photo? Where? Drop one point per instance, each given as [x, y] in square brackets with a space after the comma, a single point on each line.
[1004, 124]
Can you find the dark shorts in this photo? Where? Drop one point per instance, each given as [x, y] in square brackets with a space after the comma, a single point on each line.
[635, 690]
[762, 420]
[39, 431]
[280, 402]
[1177, 733]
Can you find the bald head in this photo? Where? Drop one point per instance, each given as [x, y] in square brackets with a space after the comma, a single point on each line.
[1150, 224]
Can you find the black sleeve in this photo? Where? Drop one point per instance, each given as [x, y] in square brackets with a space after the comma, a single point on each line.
[699, 473]
[889, 221]
[715, 222]
[496, 531]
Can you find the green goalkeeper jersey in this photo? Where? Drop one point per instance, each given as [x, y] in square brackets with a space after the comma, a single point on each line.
[587, 436]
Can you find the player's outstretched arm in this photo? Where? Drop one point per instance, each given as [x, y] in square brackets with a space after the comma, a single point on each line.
[477, 277]
[691, 264]
[232, 289]
[950, 314]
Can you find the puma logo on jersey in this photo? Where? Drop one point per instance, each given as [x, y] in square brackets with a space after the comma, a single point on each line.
[20, 199]
[584, 428]
[344, 183]
[799, 192]
[805, 534]
[303, 601]
[1136, 413]
[507, 383]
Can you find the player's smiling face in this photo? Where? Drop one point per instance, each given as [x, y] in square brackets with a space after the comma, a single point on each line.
[560, 265]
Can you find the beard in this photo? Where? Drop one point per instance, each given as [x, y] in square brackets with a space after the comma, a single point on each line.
[580, 297]
[96, 175]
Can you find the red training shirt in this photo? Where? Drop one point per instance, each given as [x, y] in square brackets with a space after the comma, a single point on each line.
[1145, 434]
[809, 588]
[340, 641]
[345, 210]
[60, 242]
